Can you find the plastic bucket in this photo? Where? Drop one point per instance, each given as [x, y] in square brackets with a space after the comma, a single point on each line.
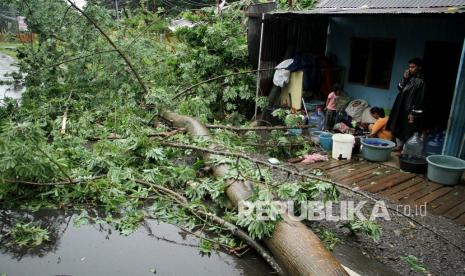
[377, 150]
[444, 169]
[326, 141]
[342, 146]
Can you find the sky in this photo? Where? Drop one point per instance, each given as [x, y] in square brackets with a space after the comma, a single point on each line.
[80, 3]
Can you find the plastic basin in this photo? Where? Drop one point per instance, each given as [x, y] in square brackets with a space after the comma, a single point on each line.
[326, 141]
[377, 150]
[315, 136]
[294, 131]
[444, 169]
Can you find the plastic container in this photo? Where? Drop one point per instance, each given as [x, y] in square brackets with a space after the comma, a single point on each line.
[378, 150]
[316, 121]
[313, 104]
[434, 144]
[413, 148]
[294, 131]
[326, 141]
[413, 165]
[445, 169]
[342, 146]
[315, 136]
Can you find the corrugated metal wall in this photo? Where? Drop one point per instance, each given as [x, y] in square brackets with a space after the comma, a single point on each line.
[254, 27]
[286, 35]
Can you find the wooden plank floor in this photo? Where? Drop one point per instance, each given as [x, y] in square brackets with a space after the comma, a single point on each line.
[392, 183]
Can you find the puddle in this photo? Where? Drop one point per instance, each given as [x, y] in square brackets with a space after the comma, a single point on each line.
[8, 90]
[101, 250]
[359, 263]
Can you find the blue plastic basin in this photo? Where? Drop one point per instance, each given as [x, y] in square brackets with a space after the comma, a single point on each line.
[444, 169]
[378, 150]
[294, 131]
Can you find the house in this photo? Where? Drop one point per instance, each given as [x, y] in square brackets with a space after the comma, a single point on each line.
[371, 42]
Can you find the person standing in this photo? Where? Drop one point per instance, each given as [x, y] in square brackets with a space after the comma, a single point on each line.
[331, 108]
[407, 110]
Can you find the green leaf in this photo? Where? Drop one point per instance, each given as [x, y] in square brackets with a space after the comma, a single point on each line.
[414, 264]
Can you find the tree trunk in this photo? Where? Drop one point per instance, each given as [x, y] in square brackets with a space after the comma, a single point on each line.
[298, 250]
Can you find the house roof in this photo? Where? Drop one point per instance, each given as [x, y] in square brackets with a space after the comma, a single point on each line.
[387, 7]
[387, 4]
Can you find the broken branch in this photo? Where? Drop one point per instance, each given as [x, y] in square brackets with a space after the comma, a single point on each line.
[236, 231]
[238, 129]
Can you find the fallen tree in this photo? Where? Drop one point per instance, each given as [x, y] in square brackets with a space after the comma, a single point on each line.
[295, 247]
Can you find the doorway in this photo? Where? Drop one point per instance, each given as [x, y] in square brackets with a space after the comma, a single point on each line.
[441, 62]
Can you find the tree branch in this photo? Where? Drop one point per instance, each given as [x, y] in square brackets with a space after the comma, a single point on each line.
[123, 56]
[77, 58]
[239, 129]
[185, 91]
[236, 231]
[73, 181]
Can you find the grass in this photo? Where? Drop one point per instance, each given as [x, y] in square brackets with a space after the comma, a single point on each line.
[4, 48]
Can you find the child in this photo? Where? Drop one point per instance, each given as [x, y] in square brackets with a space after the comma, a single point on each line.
[331, 109]
[378, 129]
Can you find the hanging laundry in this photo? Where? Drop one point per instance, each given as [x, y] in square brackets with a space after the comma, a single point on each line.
[282, 75]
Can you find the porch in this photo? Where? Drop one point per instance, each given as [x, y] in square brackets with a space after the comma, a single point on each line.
[387, 181]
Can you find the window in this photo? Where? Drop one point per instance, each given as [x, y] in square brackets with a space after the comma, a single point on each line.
[371, 61]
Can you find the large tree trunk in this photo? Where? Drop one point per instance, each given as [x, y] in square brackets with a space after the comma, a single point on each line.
[295, 247]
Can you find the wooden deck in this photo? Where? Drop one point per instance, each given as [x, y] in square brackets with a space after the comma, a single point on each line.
[392, 183]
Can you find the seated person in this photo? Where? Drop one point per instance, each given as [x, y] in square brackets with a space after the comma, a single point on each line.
[378, 129]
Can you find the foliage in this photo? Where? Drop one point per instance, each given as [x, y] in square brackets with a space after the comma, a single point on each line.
[290, 119]
[206, 246]
[296, 4]
[369, 227]
[414, 264]
[257, 227]
[308, 190]
[26, 234]
[111, 140]
[329, 239]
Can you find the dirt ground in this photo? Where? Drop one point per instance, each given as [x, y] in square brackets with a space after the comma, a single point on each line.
[401, 237]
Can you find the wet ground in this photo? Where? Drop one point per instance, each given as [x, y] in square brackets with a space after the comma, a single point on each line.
[8, 90]
[100, 250]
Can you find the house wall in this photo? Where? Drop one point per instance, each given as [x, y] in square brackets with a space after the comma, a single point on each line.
[410, 33]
